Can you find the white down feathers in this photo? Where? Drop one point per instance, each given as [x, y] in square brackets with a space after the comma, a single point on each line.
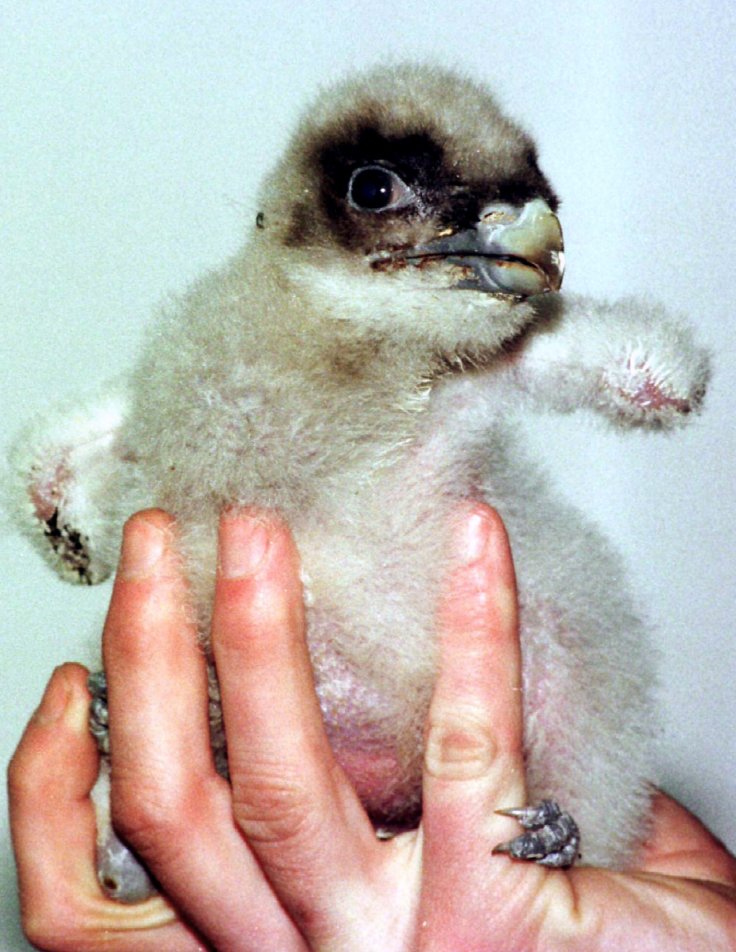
[364, 404]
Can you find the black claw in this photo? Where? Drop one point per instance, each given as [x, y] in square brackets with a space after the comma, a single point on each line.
[553, 838]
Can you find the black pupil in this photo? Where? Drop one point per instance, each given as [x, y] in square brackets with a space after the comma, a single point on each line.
[372, 189]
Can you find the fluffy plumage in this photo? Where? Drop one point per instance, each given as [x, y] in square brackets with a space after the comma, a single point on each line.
[363, 388]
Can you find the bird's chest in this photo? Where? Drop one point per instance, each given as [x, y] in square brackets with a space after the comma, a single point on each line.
[374, 552]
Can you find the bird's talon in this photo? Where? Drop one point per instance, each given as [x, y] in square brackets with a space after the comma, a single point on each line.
[553, 837]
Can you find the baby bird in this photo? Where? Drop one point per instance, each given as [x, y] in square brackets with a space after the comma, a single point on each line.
[357, 366]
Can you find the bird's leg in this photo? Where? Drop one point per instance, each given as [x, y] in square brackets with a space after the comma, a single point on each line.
[97, 687]
[119, 872]
[553, 838]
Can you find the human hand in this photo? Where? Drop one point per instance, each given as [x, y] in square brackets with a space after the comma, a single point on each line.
[286, 859]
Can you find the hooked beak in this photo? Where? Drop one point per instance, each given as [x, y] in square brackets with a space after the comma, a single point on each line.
[511, 250]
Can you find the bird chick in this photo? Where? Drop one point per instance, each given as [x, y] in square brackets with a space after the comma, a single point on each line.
[357, 366]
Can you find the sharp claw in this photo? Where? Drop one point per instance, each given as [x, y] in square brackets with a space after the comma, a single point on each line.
[533, 818]
[521, 814]
[526, 846]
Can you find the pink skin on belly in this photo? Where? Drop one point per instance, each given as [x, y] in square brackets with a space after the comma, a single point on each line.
[371, 772]
[360, 729]
[390, 794]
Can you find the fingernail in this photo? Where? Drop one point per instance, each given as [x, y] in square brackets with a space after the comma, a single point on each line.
[244, 542]
[55, 700]
[473, 537]
[143, 546]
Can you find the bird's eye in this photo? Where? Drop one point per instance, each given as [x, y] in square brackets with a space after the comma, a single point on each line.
[375, 189]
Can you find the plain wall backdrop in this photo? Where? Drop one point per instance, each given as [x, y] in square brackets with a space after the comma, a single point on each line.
[133, 138]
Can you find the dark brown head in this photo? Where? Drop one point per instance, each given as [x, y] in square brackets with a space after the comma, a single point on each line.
[411, 178]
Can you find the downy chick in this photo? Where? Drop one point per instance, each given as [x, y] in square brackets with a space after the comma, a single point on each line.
[357, 366]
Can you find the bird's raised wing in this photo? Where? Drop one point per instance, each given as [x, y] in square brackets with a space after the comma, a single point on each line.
[71, 483]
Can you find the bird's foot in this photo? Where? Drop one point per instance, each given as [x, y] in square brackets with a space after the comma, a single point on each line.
[98, 719]
[553, 838]
[119, 872]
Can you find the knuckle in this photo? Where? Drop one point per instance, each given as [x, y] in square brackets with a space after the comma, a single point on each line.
[20, 782]
[271, 807]
[138, 809]
[459, 746]
[153, 817]
[27, 784]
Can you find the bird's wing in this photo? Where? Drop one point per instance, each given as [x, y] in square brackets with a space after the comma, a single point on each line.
[70, 482]
[630, 361]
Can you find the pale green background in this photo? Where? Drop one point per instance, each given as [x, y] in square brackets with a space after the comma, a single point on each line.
[132, 138]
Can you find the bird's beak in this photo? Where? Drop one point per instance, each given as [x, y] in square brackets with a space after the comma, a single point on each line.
[511, 250]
